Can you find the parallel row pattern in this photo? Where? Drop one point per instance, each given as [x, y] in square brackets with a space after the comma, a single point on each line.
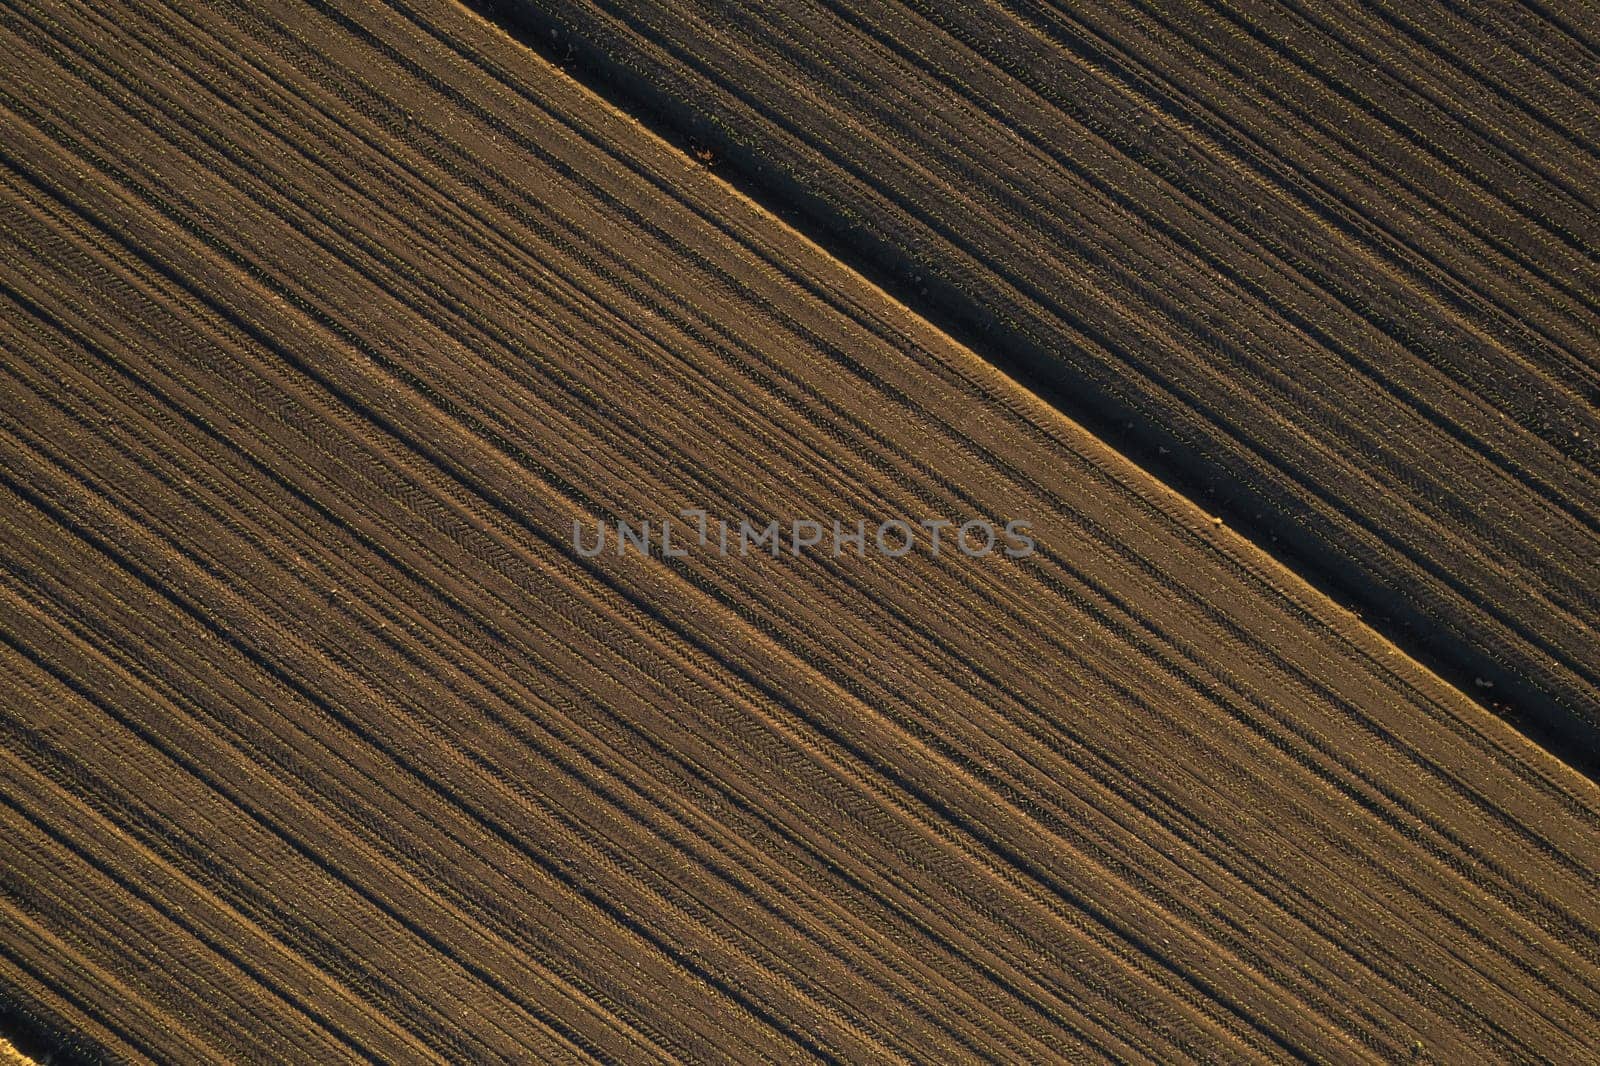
[1331, 266]
[318, 743]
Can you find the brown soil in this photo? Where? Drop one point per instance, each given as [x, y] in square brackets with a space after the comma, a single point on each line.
[320, 743]
[1330, 268]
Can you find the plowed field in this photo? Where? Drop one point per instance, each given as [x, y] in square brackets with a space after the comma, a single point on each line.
[321, 740]
[1329, 267]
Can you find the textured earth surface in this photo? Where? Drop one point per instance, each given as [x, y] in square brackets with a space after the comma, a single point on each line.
[321, 741]
[1330, 267]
